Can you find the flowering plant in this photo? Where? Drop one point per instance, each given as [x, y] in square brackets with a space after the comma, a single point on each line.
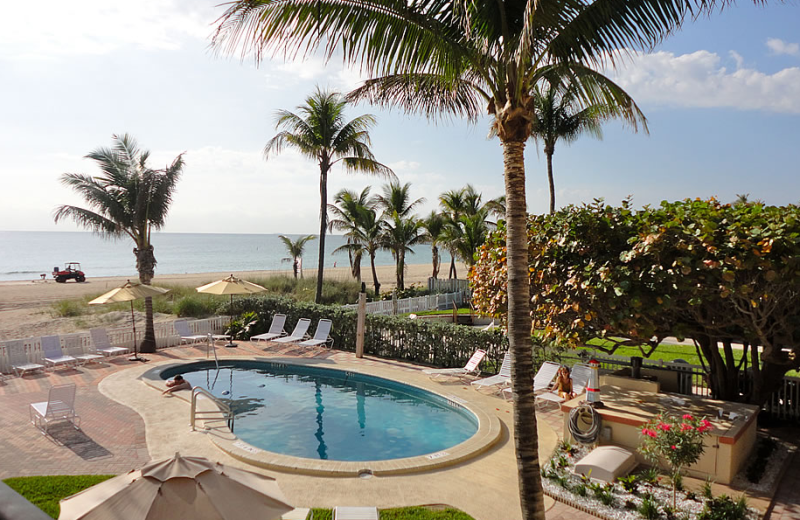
[676, 440]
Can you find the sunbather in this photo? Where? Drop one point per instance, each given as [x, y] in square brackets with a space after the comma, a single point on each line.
[177, 383]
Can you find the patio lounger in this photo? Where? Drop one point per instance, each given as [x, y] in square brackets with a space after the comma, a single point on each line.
[580, 379]
[53, 355]
[102, 345]
[60, 406]
[322, 336]
[182, 329]
[470, 368]
[502, 378]
[275, 329]
[542, 380]
[355, 513]
[72, 344]
[299, 333]
[18, 359]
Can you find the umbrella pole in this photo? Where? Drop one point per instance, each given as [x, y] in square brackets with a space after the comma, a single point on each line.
[135, 345]
[231, 344]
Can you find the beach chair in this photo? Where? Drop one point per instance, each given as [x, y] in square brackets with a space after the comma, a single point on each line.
[322, 336]
[355, 513]
[101, 344]
[502, 378]
[182, 330]
[470, 368]
[60, 406]
[299, 333]
[275, 329]
[73, 347]
[52, 353]
[18, 358]
[542, 380]
[580, 375]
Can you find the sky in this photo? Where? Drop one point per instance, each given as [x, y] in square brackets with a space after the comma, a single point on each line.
[722, 98]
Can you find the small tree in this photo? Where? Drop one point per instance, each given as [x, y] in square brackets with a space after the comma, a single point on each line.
[677, 441]
[296, 248]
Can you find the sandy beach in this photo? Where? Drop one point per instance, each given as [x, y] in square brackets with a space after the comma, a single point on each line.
[26, 306]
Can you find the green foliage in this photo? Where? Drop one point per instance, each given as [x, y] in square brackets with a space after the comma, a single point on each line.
[244, 326]
[195, 307]
[419, 341]
[724, 507]
[677, 481]
[45, 492]
[412, 291]
[649, 508]
[629, 483]
[755, 470]
[579, 489]
[691, 495]
[68, 309]
[650, 476]
[707, 490]
[303, 289]
[604, 493]
[405, 513]
[322, 514]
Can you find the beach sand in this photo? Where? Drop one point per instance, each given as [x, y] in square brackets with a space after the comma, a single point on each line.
[26, 306]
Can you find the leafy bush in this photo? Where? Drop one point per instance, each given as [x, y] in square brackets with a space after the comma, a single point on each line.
[412, 291]
[724, 507]
[707, 491]
[68, 309]
[580, 489]
[243, 327]
[304, 289]
[629, 483]
[650, 476]
[195, 307]
[649, 508]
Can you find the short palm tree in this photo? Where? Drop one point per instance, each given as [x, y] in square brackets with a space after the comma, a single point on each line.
[296, 248]
[127, 199]
[320, 132]
[345, 210]
[433, 234]
[399, 234]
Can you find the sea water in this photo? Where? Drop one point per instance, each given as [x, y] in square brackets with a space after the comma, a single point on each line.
[24, 255]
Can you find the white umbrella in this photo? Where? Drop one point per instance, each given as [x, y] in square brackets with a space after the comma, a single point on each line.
[231, 285]
[176, 488]
[128, 293]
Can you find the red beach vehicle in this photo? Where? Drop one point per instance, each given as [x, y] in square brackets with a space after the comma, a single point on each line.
[72, 271]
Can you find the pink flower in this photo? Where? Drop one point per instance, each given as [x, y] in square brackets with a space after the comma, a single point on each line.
[664, 427]
[704, 425]
[648, 432]
[686, 427]
[688, 417]
[673, 447]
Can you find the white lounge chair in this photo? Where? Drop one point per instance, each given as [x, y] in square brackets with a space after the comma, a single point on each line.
[101, 343]
[52, 353]
[275, 329]
[355, 513]
[542, 380]
[322, 336]
[580, 375]
[502, 378]
[470, 368]
[299, 333]
[60, 406]
[18, 359]
[73, 347]
[182, 330]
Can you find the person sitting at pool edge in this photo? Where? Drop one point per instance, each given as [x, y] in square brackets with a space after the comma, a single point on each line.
[177, 383]
[564, 383]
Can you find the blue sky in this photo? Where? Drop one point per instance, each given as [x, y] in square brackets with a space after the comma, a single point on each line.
[722, 98]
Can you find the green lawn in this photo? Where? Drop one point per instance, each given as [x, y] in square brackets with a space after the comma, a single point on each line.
[45, 493]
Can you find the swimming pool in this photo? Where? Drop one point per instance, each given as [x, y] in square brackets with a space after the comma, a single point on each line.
[328, 414]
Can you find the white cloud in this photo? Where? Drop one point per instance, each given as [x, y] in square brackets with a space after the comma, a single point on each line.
[700, 80]
[94, 27]
[778, 46]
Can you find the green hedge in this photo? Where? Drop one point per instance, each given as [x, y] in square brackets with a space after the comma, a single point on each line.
[418, 341]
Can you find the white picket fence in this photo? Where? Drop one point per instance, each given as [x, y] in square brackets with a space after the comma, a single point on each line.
[79, 342]
[417, 304]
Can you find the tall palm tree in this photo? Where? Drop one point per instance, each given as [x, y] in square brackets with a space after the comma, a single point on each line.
[400, 233]
[296, 248]
[462, 57]
[396, 198]
[560, 114]
[370, 236]
[321, 133]
[345, 209]
[453, 204]
[472, 232]
[127, 199]
[434, 226]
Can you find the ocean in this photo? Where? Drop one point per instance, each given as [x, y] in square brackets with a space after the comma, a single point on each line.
[24, 255]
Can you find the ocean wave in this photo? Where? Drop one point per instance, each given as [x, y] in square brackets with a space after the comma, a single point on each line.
[20, 272]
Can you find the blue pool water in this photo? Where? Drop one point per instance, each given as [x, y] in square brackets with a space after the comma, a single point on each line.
[330, 414]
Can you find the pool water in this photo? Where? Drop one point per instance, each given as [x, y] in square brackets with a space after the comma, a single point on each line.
[331, 414]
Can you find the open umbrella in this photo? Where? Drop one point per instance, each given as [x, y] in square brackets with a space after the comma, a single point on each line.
[231, 285]
[180, 487]
[128, 293]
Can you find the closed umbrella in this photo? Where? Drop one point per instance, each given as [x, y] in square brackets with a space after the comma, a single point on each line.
[180, 487]
[231, 285]
[128, 293]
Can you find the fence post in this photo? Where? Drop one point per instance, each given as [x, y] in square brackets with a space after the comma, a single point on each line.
[362, 314]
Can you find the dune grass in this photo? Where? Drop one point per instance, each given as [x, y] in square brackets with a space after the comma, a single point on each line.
[45, 492]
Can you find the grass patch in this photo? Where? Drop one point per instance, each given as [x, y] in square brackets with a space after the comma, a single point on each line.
[463, 310]
[405, 513]
[45, 492]
[68, 308]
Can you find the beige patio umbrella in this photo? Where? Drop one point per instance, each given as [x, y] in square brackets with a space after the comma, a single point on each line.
[231, 285]
[176, 488]
[128, 293]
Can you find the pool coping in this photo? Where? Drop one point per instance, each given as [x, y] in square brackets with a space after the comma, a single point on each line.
[488, 434]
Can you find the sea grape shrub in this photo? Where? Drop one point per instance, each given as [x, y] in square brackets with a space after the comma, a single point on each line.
[724, 507]
[716, 273]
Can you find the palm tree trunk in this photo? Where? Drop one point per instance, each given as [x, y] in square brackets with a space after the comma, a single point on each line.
[294, 267]
[145, 264]
[550, 180]
[526, 440]
[323, 224]
[375, 276]
[401, 257]
[357, 266]
[435, 254]
[453, 273]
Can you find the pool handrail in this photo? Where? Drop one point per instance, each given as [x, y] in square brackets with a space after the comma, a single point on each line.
[224, 408]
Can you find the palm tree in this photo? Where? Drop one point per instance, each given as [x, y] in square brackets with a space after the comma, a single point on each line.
[370, 236]
[461, 57]
[400, 233]
[346, 207]
[296, 248]
[397, 199]
[472, 232]
[434, 226]
[127, 199]
[321, 133]
[453, 205]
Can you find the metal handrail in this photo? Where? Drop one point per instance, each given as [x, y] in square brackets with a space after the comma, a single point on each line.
[211, 346]
[224, 408]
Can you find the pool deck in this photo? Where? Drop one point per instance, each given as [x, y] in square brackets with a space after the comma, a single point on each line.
[126, 423]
